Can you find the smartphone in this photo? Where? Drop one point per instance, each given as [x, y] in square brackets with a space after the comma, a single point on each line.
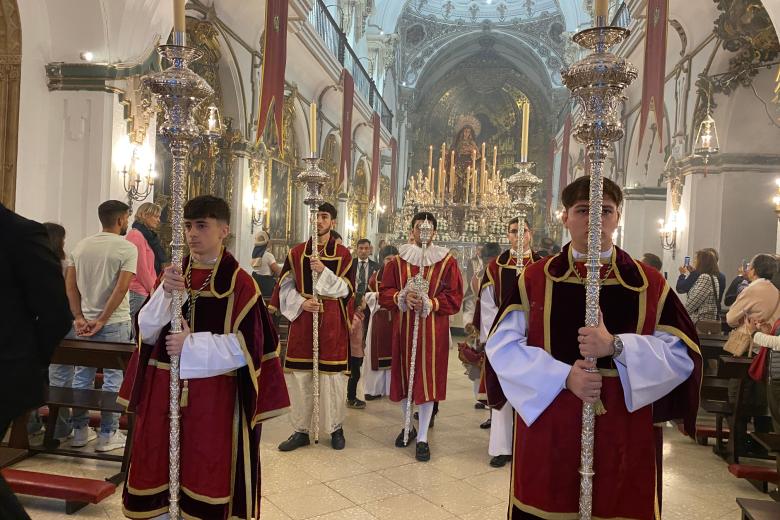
[745, 266]
[687, 261]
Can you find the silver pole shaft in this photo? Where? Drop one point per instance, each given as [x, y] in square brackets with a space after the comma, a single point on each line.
[315, 321]
[419, 283]
[180, 153]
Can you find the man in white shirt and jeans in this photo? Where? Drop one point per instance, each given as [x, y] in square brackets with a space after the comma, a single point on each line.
[99, 272]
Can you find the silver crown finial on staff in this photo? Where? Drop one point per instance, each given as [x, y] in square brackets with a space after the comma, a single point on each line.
[522, 186]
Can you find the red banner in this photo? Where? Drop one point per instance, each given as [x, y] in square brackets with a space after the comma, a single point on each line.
[654, 74]
[348, 85]
[393, 168]
[548, 184]
[563, 179]
[274, 63]
[375, 162]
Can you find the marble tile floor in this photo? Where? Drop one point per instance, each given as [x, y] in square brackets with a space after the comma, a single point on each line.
[371, 479]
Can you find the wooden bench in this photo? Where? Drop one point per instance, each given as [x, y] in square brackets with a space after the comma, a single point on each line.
[76, 492]
[81, 353]
[758, 509]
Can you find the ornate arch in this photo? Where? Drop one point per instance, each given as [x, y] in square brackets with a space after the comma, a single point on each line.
[10, 73]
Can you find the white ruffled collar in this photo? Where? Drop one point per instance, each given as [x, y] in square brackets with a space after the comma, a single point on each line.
[412, 253]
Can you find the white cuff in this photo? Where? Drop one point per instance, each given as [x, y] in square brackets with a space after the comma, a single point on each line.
[156, 314]
[208, 355]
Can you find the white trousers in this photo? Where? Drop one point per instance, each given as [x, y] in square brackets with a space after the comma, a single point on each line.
[333, 397]
[501, 431]
[375, 382]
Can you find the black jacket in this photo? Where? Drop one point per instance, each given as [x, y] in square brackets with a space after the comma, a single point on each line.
[371, 268]
[34, 311]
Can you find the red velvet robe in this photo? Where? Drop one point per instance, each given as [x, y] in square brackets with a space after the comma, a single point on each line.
[381, 330]
[446, 294]
[333, 321]
[220, 416]
[502, 274]
[634, 299]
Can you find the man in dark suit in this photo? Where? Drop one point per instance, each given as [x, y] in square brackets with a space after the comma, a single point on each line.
[35, 318]
[364, 267]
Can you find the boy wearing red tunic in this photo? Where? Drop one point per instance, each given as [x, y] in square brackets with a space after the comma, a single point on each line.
[649, 371]
[444, 298]
[293, 298]
[499, 280]
[231, 380]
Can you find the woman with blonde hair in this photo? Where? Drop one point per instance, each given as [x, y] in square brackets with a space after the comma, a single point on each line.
[151, 255]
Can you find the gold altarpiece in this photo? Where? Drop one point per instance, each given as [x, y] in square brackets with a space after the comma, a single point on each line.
[10, 73]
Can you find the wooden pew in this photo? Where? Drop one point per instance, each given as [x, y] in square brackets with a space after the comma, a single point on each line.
[77, 492]
[761, 476]
[758, 509]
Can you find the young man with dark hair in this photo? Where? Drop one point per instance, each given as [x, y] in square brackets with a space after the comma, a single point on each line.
[100, 269]
[443, 299]
[649, 371]
[231, 380]
[499, 280]
[363, 268]
[293, 297]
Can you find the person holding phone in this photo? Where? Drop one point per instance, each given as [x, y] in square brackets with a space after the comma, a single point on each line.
[689, 274]
[737, 284]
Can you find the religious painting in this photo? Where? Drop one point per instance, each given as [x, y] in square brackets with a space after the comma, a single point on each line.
[277, 182]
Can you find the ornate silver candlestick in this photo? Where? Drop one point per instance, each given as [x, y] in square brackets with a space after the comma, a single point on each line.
[597, 82]
[313, 178]
[523, 185]
[181, 91]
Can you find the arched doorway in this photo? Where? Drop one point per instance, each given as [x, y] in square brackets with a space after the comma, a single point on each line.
[10, 72]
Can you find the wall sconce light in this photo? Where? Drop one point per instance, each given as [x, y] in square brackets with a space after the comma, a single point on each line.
[137, 175]
[351, 228]
[259, 208]
[776, 198]
[668, 231]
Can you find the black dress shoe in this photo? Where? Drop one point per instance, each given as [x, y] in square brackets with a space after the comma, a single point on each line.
[356, 404]
[295, 441]
[479, 406]
[485, 425]
[337, 441]
[369, 397]
[399, 441]
[499, 461]
[423, 452]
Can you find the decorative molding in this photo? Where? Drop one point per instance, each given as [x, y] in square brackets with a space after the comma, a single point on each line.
[645, 193]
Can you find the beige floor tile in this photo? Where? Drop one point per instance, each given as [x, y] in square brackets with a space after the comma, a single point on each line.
[494, 482]
[459, 498]
[381, 458]
[309, 501]
[366, 488]
[353, 513]
[268, 511]
[406, 506]
[461, 465]
[417, 476]
[497, 512]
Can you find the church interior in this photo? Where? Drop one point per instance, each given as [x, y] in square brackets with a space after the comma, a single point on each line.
[474, 112]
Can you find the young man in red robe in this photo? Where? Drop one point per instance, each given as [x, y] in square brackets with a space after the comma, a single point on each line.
[499, 280]
[294, 299]
[379, 348]
[649, 371]
[231, 380]
[444, 298]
